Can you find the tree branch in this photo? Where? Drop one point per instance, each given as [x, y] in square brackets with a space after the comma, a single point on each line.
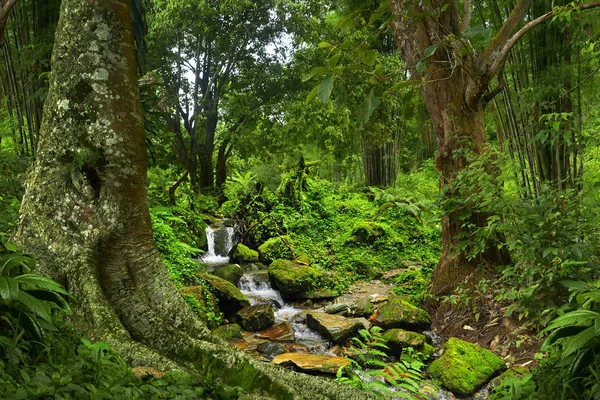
[467, 16]
[5, 7]
[496, 61]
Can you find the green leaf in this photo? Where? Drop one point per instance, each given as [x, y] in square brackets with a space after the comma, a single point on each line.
[9, 289]
[368, 106]
[324, 89]
[312, 94]
[369, 57]
[34, 305]
[37, 281]
[324, 45]
[430, 50]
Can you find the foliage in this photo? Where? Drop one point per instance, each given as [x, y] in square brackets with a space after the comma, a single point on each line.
[515, 387]
[411, 283]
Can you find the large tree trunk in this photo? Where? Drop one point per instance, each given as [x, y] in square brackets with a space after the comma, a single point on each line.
[84, 215]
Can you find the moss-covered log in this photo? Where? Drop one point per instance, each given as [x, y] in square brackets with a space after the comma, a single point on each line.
[85, 218]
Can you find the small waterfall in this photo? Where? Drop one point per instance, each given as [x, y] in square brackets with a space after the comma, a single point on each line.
[257, 287]
[220, 243]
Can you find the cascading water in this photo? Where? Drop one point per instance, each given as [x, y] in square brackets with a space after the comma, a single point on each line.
[257, 287]
[220, 243]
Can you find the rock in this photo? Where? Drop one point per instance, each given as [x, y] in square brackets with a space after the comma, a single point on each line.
[362, 308]
[515, 372]
[296, 348]
[229, 331]
[398, 339]
[250, 267]
[274, 249]
[230, 272]
[221, 239]
[396, 312]
[318, 294]
[256, 318]
[464, 367]
[270, 350]
[366, 232]
[282, 332]
[292, 278]
[244, 254]
[230, 298]
[339, 308]
[312, 363]
[336, 328]
[337, 350]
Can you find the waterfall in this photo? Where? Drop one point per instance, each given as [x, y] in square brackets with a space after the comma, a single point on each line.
[220, 243]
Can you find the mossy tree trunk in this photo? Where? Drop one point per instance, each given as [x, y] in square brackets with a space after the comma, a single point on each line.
[84, 215]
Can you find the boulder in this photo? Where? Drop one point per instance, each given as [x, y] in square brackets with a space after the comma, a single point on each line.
[256, 318]
[230, 272]
[465, 367]
[363, 307]
[282, 332]
[274, 249]
[229, 331]
[398, 339]
[335, 328]
[366, 232]
[271, 350]
[296, 348]
[397, 312]
[230, 298]
[244, 254]
[318, 294]
[312, 363]
[292, 278]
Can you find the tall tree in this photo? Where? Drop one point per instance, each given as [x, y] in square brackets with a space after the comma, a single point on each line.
[84, 215]
[434, 40]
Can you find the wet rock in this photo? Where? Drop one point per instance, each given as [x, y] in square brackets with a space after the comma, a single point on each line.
[292, 279]
[270, 350]
[282, 332]
[230, 272]
[339, 308]
[337, 350]
[249, 267]
[362, 308]
[296, 348]
[230, 298]
[312, 363]
[244, 254]
[229, 331]
[256, 318]
[318, 294]
[464, 367]
[336, 328]
[397, 312]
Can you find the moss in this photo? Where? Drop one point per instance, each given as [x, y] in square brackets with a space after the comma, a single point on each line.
[244, 254]
[397, 312]
[366, 232]
[229, 331]
[230, 272]
[230, 297]
[274, 249]
[397, 339]
[256, 318]
[291, 277]
[427, 350]
[464, 366]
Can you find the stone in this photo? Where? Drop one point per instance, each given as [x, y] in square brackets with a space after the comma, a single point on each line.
[318, 294]
[282, 332]
[312, 363]
[292, 278]
[243, 254]
[397, 312]
[229, 331]
[398, 339]
[339, 308]
[270, 350]
[465, 367]
[296, 348]
[257, 317]
[335, 328]
[274, 249]
[230, 298]
[230, 272]
[366, 232]
[362, 307]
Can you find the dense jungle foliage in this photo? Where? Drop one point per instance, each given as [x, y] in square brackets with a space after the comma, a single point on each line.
[301, 122]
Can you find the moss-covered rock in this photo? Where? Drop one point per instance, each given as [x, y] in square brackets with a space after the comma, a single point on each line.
[464, 367]
[336, 328]
[398, 339]
[515, 372]
[257, 317]
[397, 312]
[230, 298]
[229, 331]
[275, 249]
[366, 232]
[292, 278]
[244, 254]
[230, 272]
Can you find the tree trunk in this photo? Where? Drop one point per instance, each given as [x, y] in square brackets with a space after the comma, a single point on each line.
[84, 215]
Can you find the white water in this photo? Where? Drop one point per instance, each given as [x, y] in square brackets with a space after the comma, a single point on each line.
[257, 287]
[210, 257]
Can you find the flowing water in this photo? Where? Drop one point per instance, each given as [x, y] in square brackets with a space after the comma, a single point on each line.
[257, 287]
[220, 243]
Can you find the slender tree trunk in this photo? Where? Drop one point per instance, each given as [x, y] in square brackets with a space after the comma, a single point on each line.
[84, 215]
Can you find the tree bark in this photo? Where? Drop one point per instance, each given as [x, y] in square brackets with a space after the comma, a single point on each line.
[84, 215]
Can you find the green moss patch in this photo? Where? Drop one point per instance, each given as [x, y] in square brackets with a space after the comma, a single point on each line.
[244, 254]
[274, 249]
[397, 312]
[464, 367]
[293, 278]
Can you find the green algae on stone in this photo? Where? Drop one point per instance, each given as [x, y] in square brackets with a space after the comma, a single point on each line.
[397, 312]
[274, 249]
[293, 278]
[257, 317]
[231, 299]
[464, 367]
[244, 254]
[398, 339]
[229, 331]
[230, 272]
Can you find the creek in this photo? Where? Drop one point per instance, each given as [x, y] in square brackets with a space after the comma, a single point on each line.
[220, 239]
